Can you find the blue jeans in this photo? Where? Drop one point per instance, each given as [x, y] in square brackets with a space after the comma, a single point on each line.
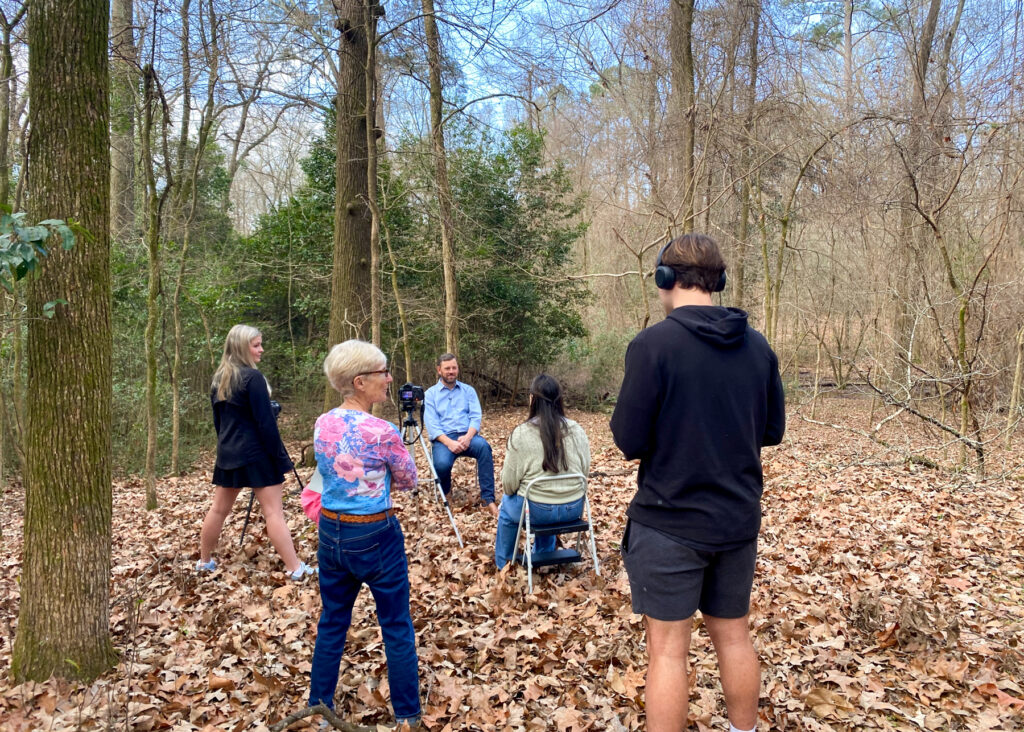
[351, 555]
[480, 451]
[541, 514]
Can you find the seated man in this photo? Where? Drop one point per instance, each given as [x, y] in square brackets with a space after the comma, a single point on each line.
[451, 414]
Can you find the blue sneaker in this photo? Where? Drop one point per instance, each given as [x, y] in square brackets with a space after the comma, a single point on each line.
[209, 566]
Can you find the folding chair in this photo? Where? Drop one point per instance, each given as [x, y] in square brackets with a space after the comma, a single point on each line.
[577, 526]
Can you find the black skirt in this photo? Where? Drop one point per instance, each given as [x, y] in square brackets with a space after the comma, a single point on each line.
[258, 474]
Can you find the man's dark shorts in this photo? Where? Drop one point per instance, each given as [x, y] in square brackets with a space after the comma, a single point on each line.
[670, 581]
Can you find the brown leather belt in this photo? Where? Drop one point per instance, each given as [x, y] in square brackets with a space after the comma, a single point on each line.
[354, 518]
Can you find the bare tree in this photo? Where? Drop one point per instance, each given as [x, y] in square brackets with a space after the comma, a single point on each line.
[443, 189]
[681, 44]
[124, 78]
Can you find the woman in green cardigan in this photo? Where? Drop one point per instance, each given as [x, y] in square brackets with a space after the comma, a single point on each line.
[547, 443]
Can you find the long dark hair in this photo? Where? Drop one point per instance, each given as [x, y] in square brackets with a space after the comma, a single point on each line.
[547, 410]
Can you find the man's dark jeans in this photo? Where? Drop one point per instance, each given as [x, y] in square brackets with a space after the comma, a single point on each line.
[480, 451]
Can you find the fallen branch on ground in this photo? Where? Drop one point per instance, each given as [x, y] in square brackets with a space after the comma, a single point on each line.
[333, 719]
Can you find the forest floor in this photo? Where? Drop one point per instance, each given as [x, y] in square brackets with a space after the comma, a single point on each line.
[889, 595]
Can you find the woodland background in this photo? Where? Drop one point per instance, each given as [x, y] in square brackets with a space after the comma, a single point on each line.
[860, 164]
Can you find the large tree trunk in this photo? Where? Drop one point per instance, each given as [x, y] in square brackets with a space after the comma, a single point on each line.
[350, 277]
[684, 111]
[123, 88]
[444, 193]
[373, 11]
[63, 620]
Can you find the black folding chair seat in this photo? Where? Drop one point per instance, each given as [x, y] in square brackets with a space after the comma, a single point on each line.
[560, 555]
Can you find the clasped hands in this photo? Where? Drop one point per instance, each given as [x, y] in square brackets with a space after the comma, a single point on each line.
[460, 445]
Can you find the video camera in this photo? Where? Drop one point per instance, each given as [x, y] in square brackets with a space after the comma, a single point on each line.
[410, 397]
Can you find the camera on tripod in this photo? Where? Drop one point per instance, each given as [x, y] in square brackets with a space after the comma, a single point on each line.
[410, 397]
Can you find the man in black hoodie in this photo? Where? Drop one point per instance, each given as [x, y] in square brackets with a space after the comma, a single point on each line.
[701, 396]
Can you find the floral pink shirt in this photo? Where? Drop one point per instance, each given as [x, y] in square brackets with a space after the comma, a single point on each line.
[360, 458]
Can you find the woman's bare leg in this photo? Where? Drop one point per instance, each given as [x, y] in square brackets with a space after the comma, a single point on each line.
[223, 500]
[277, 529]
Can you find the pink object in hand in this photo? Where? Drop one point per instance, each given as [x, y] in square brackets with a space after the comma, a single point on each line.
[311, 497]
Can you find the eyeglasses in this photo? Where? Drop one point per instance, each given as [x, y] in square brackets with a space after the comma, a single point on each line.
[386, 371]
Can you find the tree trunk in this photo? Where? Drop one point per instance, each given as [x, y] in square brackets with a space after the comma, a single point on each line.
[406, 350]
[350, 277]
[444, 193]
[186, 190]
[372, 11]
[123, 88]
[154, 203]
[189, 203]
[1012, 418]
[848, 57]
[371, 15]
[913, 188]
[63, 620]
[14, 412]
[753, 9]
[6, 97]
[681, 46]
[14, 409]
[184, 128]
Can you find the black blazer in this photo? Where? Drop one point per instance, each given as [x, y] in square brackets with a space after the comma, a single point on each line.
[246, 427]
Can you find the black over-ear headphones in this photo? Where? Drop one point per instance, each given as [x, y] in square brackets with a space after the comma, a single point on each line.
[665, 276]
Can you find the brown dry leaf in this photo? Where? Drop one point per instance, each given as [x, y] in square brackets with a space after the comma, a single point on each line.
[826, 703]
[220, 682]
[1004, 699]
[267, 682]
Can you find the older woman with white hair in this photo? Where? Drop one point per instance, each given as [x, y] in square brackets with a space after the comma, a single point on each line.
[250, 453]
[361, 458]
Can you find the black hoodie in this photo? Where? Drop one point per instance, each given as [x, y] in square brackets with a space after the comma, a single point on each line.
[701, 396]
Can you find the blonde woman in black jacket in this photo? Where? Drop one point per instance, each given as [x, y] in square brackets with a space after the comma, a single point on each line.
[250, 453]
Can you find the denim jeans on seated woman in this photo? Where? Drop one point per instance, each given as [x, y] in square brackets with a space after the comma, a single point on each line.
[541, 514]
[350, 556]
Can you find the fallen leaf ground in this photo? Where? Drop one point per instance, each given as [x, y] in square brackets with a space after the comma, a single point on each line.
[889, 596]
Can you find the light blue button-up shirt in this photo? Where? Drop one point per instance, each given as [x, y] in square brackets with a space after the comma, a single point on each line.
[451, 410]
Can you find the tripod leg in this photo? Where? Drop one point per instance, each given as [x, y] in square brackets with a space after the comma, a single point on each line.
[248, 510]
[440, 493]
[298, 491]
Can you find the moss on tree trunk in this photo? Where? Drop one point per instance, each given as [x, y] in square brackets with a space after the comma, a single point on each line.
[63, 619]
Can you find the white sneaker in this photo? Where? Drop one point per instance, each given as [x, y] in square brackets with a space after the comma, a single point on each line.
[303, 572]
[209, 566]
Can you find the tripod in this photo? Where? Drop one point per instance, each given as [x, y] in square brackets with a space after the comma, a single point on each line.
[412, 433]
[252, 497]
